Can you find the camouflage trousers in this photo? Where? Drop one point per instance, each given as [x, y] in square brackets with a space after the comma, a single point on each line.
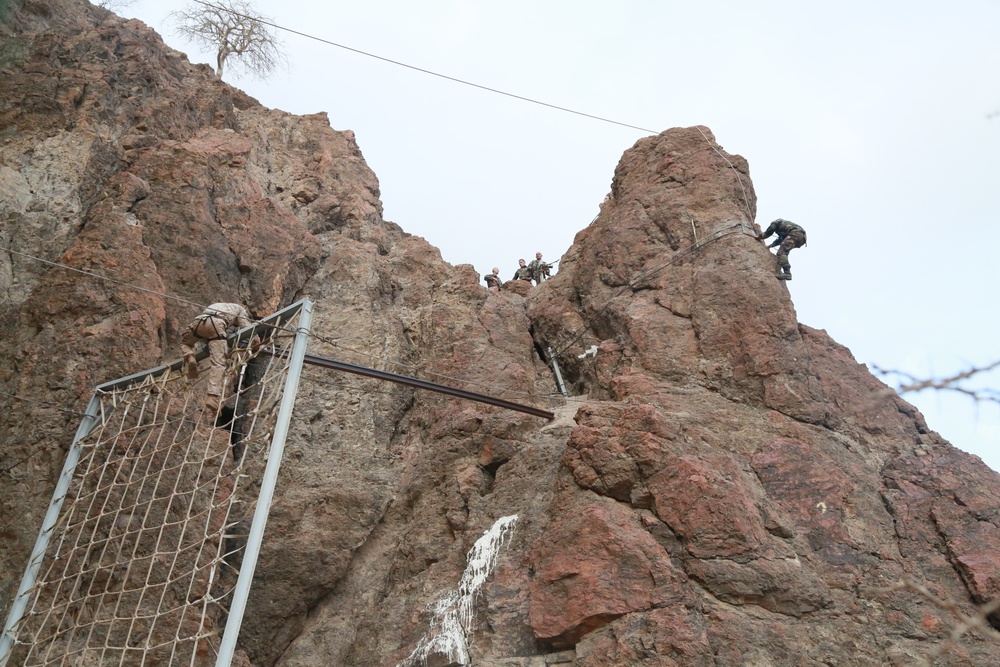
[789, 243]
[212, 332]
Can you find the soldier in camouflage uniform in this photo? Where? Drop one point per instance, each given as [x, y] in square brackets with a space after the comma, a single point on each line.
[210, 328]
[539, 270]
[493, 280]
[788, 237]
[523, 272]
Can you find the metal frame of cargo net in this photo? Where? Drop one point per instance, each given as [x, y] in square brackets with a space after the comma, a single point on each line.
[93, 419]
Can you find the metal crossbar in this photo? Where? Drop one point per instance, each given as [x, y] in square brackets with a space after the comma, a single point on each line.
[145, 554]
[333, 364]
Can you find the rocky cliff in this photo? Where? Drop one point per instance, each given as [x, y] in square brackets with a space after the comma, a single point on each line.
[722, 486]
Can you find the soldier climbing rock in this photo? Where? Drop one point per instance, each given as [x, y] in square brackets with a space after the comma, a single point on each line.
[210, 328]
[788, 237]
[493, 280]
[539, 270]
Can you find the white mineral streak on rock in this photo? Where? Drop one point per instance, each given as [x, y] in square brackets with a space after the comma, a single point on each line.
[452, 623]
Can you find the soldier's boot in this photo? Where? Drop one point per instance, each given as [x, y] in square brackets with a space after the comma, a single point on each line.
[784, 271]
[191, 366]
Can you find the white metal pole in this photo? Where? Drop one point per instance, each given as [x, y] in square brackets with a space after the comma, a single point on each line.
[555, 367]
[42, 541]
[268, 482]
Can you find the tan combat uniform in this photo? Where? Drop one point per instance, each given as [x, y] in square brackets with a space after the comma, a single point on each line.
[210, 328]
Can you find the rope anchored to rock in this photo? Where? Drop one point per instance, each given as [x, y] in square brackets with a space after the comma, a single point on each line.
[722, 232]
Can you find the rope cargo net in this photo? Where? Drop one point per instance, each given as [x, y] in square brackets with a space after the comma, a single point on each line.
[142, 562]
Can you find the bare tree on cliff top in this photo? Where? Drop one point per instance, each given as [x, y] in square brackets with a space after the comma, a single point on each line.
[233, 28]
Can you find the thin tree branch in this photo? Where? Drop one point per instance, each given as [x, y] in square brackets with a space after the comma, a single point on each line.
[964, 625]
[232, 28]
[950, 383]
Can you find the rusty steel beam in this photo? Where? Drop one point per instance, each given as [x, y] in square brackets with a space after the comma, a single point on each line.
[424, 384]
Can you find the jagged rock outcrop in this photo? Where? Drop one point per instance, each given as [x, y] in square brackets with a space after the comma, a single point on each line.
[723, 487]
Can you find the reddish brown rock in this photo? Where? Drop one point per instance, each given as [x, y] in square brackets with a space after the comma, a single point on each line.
[671, 637]
[947, 510]
[594, 565]
[519, 287]
[833, 503]
[735, 488]
[705, 500]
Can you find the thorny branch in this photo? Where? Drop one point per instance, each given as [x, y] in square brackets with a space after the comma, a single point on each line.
[951, 383]
[912, 384]
[965, 623]
[981, 619]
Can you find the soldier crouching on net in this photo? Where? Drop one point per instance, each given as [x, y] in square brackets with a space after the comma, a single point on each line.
[210, 328]
[789, 236]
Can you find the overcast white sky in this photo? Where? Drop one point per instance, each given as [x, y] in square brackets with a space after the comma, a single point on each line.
[865, 122]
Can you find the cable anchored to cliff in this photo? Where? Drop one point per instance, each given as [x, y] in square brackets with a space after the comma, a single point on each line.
[739, 179]
[100, 277]
[310, 334]
[735, 228]
[721, 233]
[422, 70]
[472, 84]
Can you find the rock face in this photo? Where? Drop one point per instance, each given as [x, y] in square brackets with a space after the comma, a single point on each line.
[722, 487]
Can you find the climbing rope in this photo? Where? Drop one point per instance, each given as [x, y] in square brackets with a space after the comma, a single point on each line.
[735, 228]
[285, 329]
[739, 179]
